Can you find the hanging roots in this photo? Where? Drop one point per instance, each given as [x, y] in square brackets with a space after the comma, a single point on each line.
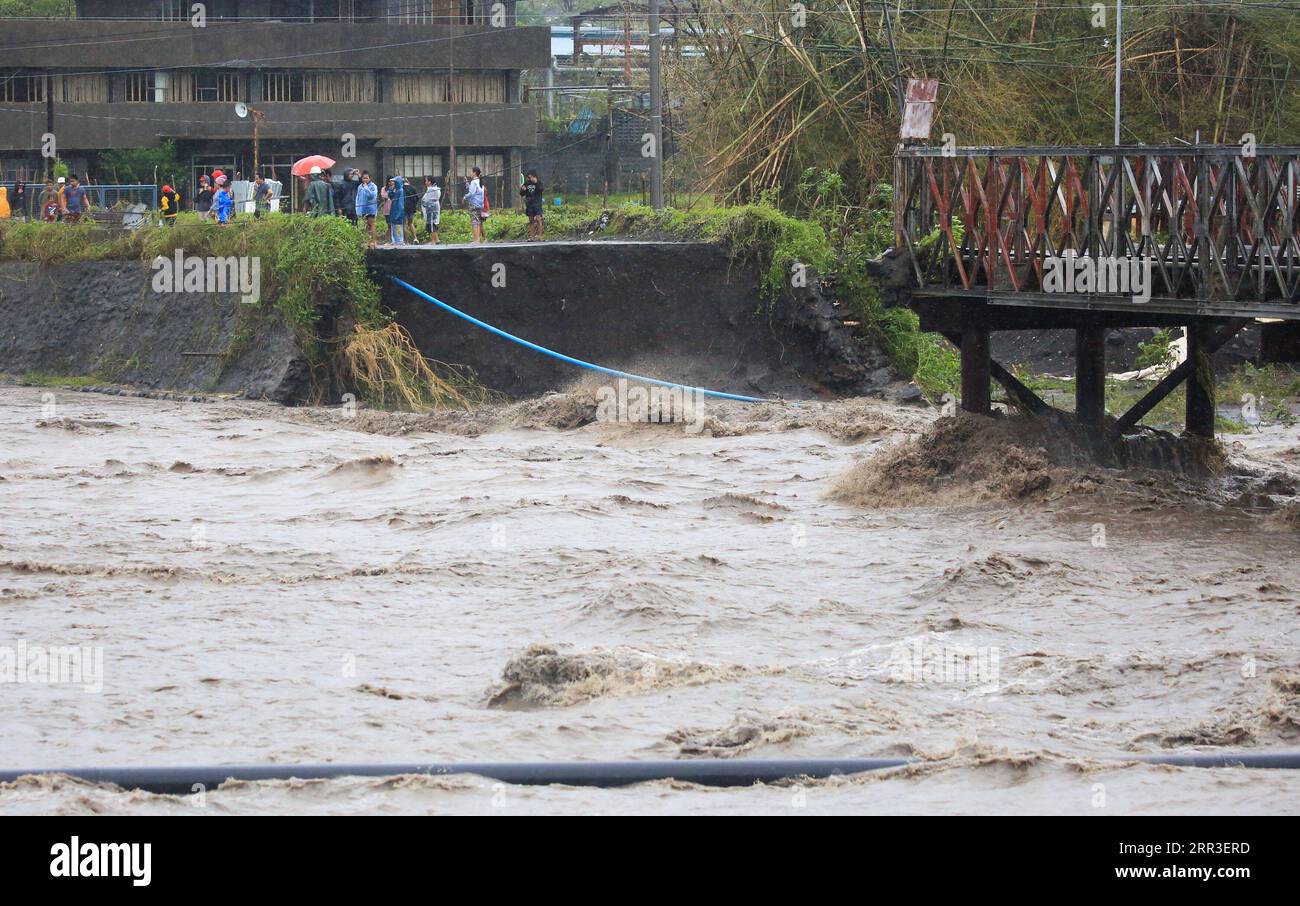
[387, 368]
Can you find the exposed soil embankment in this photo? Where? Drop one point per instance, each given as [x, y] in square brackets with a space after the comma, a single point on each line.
[681, 311]
[975, 459]
[103, 320]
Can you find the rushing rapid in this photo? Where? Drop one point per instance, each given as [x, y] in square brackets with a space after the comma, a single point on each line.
[523, 583]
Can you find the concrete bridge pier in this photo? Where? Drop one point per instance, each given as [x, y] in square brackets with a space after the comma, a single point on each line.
[1200, 380]
[976, 364]
[1090, 375]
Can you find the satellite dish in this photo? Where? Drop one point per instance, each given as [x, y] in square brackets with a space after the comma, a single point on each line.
[241, 110]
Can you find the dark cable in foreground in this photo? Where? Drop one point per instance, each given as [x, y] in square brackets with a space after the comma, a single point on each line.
[705, 771]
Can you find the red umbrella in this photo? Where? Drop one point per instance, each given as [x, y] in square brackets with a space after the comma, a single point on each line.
[303, 167]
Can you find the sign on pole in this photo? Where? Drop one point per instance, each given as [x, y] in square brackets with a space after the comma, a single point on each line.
[918, 112]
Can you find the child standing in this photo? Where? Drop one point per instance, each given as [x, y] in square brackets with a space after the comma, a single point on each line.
[50, 202]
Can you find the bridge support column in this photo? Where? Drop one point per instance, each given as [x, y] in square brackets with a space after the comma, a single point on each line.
[1200, 381]
[976, 368]
[1090, 376]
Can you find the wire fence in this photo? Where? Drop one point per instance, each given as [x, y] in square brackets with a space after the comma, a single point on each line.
[128, 200]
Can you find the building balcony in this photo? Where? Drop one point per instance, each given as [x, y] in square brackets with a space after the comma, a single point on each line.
[73, 44]
[107, 126]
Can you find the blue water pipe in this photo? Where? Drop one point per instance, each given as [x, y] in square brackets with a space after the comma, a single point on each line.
[570, 359]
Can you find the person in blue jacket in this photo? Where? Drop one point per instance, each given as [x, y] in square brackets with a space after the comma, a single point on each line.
[223, 203]
[397, 213]
[368, 203]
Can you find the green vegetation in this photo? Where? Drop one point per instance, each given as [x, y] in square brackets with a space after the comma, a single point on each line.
[307, 263]
[38, 8]
[141, 165]
[44, 379]
[1273, 389]
[778, 96]
[1156, 351]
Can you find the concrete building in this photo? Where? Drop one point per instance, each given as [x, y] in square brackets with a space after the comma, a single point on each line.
[392, 86]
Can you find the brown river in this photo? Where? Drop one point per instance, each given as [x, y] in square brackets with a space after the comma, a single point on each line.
[262, 585]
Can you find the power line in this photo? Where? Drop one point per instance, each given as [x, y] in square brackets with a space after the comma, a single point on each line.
[498, 108]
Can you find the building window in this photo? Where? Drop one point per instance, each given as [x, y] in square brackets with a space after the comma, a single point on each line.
[410, 12]
[328, 87]
[174, 10]
[21, 88]
[490, 164]
[81, 88]
[442, 87]
[417, 166]
[145, 87]
[211, 86]
[282, 87]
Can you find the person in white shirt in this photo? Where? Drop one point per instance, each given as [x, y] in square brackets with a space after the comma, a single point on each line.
[431, 203]
[474, 201]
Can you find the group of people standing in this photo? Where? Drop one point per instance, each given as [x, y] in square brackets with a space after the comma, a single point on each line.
[397, 201]
[215, 199]
[361, 200]
[63, 200]
[355, 196]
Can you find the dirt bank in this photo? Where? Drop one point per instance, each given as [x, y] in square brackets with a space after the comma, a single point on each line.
[974, 459]
[102, 321]
[680, 311]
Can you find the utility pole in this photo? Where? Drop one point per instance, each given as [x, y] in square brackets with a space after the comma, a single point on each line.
[550, 83]
[1119, 45]
[898, 76]
[49, 120]
[656, 113]
[257, 162]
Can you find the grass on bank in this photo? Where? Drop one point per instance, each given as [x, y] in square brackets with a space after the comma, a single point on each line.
[396, 375]
[45, 379]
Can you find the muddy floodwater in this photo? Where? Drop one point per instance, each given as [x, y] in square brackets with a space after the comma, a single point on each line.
[301, 586]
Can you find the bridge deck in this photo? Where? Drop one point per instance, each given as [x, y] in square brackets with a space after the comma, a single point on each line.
[1218, 231]
[1090, 238]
